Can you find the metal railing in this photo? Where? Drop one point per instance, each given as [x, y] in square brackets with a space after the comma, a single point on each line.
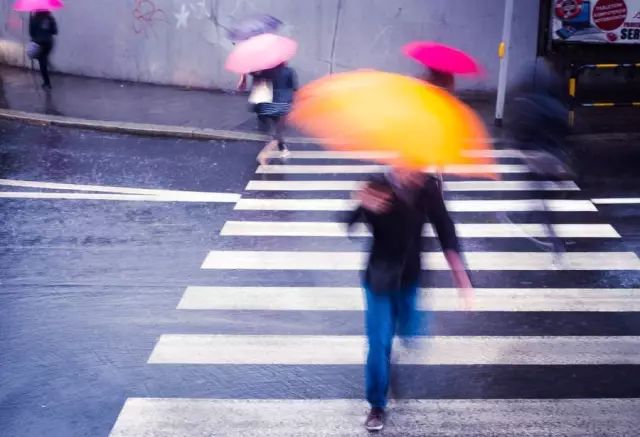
[574, 102]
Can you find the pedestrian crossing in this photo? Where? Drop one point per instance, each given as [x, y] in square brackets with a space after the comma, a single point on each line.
[551, 347]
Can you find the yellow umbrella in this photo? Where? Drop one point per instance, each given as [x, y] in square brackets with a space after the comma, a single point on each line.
[419, 124]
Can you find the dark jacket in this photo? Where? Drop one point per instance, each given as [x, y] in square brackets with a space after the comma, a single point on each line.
[42, 27]
[394, 259]
[284, 81]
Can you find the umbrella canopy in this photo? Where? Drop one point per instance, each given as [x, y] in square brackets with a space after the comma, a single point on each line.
[442, 57]
[418, 124]
[37, 5]
[260, 52]
[253, 26]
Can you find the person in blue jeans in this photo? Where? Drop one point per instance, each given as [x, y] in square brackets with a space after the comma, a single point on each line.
[395, 207]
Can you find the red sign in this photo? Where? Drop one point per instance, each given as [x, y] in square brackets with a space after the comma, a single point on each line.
[567, 9]
[609, 15]
[596, 21]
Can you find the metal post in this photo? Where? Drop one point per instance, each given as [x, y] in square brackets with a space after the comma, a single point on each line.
[573, 82]
[503, 52]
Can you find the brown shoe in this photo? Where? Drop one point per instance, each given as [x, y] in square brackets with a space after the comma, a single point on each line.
[375, 419]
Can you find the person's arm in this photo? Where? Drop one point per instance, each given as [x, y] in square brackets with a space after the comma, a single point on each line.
[54, 25]
[460, 277]
[32, 25]
[369, 199]
[373, 198]
[293, 79]
[446, 231]
[242, 83]
[353, 217]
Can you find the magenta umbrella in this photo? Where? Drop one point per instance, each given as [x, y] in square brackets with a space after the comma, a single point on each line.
[260, 52]
[37, 5]
[442, 57]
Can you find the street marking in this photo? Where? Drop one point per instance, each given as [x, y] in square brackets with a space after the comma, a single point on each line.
[557, 205]
[448, 186]
[617, 201]
[464, 230]
[164, 197]
[373, 155]
[432, 299]
[365, 169]
[140, 194]
[435, 350]
[499, 261]
[174, 417]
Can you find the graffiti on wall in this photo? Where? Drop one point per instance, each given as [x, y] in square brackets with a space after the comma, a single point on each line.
[146, 15]
[199, 9]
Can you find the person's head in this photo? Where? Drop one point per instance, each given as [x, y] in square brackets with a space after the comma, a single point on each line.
[408, 178]
[440, 79]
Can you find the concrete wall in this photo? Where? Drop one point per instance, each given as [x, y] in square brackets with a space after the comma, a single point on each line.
[183, 42]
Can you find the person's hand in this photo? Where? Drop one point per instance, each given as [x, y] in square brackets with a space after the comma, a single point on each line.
[460, 279]
[466, 296]
[374, 200]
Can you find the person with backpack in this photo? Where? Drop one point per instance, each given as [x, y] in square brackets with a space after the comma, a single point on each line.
[42, 28]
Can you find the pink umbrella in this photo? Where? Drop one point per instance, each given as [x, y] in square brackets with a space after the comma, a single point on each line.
[260, 52]
[442, 57]
[37, 5]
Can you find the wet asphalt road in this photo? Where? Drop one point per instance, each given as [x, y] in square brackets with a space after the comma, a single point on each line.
[88, 286]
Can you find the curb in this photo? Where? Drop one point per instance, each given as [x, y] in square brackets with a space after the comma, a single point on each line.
[160, 130]
[163, 130]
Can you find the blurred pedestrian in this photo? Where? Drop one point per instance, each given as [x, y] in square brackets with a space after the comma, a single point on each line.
[441, 79]
[447, 82]
[42, 28]
[3, 97]
[396, 206]
[538, 126]
[271, 98]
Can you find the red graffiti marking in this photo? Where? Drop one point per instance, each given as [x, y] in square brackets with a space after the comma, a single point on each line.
[145, 14]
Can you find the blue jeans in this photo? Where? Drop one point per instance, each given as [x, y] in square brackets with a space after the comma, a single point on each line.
[386, 315]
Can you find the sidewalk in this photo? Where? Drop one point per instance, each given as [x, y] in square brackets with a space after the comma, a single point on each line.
[161, 110]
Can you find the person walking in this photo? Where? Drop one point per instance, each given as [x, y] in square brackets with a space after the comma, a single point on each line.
[274, 89]
[42, 28]
[396, 206]
[538, 125]
[441, 79]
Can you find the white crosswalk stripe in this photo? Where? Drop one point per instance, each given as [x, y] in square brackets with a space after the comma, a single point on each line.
[540, 334]
[349, 350]
[464, 230]
[366, 156]
[366, 169]
[452, 205]
[438, 299]
[326, 185]
[343, 417]
[501, 261]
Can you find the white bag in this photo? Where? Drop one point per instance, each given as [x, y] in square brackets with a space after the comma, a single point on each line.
[262, 92]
